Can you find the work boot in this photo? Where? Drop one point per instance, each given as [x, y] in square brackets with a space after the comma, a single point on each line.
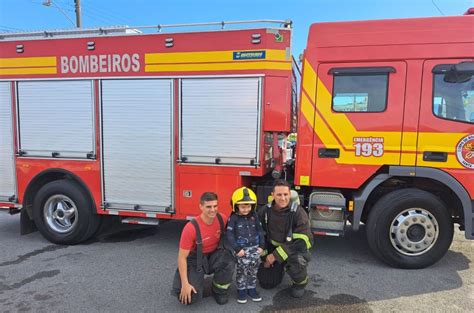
[297, 291]
[254, 295]
[242, 296]
[221, 298]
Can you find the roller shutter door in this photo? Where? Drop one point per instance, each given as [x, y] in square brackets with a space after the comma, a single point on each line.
[220, 120]
[137, 155]
[7, 161]
[56, 117]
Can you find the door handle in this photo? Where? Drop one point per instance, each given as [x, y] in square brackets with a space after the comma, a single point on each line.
[328, 153]
[431, 156]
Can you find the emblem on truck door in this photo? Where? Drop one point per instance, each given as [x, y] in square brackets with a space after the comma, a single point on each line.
[465, 151]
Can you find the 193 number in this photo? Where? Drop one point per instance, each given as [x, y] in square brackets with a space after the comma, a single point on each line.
[368, 149]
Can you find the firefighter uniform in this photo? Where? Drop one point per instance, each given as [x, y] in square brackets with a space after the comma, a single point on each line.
[288, 238]
[219, 262]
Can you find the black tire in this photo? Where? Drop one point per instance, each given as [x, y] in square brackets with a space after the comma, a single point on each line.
[409, 228]
[64, 213]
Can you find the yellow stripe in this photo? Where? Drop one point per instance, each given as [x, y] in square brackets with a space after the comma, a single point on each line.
[409, 141]
[345, 129]
[27, 62]
[210, 56]
[218, 66]
[304, 237]
[275, 243]
[327, 137]
[309, 82]
[441, 142]
[282, 253]
[214, 61]
[304, 281]
[224, 286]
[26, 70]
[308, 98]
[308, 110]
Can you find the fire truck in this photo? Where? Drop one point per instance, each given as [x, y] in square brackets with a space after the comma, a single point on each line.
[137, 125]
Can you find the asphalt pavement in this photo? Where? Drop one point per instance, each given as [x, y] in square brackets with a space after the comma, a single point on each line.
[130, 268]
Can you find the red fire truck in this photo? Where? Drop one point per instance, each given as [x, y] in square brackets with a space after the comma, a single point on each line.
[113, 121]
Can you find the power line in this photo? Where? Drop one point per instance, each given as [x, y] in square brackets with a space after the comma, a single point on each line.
[106, 13]
[66, 3]
[10, 29]
[50, 2]
[94, 16]
[432, 1]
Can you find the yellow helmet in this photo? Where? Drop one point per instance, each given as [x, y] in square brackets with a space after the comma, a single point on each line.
[243, 195]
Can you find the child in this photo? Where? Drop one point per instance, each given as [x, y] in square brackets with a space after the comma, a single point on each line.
[245, 234]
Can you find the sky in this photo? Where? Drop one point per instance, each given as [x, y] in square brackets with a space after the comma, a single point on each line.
[31, 15]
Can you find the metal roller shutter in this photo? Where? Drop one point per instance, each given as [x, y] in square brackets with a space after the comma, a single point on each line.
[7, 160]
[220, 120]
[56, 116]
[137, 155]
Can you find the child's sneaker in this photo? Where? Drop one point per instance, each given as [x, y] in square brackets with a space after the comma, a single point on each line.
[242, 296]
[254, 295]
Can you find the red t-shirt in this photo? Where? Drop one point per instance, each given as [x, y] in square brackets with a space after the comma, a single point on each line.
[211, 234]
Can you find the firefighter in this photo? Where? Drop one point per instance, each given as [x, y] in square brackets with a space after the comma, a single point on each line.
[288, 239]
[201, 252]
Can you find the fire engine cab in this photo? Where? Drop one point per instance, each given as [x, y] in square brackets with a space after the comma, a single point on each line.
[113, 121]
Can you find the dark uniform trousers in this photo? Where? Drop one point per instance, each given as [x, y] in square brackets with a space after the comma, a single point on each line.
[221, 263]
[295, 265]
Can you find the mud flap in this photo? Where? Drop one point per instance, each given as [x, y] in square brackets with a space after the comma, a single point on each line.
[27, 226]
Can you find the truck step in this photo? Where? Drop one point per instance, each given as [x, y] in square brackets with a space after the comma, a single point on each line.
[140, 221]
[327, 232]
[327, 213]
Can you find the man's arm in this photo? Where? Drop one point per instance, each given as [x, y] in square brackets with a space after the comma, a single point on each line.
[302, 237]
[186, 287]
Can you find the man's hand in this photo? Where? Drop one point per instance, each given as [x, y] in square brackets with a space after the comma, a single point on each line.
[185, 294]
[269, 260]
[259, 251]
[186, 287]
[241, 253]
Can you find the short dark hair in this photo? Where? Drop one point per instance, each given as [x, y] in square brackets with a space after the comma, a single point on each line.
[280, 182]
[207, 196]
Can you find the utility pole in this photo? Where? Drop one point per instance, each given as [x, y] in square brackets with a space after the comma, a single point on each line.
[77, 4]
[78, 13]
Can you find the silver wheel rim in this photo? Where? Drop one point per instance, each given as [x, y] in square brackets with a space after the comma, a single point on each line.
[414, 231]
[60, 213]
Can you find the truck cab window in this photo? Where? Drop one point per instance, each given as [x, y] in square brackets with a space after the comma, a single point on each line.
[360, 93]
[453, 94]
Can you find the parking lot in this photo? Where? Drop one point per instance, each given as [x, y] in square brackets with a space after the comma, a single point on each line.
[130, 268]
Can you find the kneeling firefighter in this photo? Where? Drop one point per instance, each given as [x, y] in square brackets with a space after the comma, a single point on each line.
[202, 251]
[288, 239]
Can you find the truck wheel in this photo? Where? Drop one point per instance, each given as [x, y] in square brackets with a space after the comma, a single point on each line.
[409, 228]
[64, 212]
